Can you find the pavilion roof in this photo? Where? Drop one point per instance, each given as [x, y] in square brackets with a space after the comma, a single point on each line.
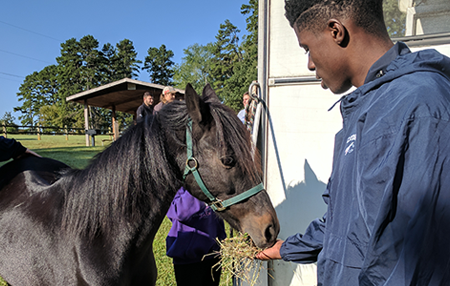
[125, 95]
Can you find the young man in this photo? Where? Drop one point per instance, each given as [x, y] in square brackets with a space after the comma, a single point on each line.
[146, 107]
[389, 192]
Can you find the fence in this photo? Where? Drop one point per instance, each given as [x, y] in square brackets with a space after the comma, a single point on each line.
[52, 130]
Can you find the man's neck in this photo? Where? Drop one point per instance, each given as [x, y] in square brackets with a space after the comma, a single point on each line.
[369, 52]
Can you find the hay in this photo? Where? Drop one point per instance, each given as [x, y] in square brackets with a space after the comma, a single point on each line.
[237, 256]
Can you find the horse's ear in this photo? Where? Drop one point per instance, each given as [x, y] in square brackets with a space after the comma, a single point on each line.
[208, 92]
[194, 104]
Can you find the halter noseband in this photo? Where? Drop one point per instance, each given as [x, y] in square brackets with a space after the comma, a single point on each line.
[216, 204]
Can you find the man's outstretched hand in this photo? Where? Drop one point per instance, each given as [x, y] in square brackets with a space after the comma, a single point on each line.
[271, 253]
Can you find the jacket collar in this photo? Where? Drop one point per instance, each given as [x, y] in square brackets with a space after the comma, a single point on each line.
[378, 69]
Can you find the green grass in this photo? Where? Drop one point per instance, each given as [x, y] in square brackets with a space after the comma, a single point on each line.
[74, 153]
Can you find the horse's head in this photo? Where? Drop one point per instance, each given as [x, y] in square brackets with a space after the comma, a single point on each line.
[221, 156]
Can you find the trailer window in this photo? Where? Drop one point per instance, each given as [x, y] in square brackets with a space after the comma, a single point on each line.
[416, 17]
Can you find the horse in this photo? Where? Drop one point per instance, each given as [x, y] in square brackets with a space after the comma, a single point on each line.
[95, 226]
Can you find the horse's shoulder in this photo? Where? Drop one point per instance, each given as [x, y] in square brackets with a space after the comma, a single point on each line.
[31, 170]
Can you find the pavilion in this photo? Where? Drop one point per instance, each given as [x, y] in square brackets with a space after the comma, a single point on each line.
[124, 95]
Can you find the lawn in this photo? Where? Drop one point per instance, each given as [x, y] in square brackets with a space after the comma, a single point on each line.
[74, 153]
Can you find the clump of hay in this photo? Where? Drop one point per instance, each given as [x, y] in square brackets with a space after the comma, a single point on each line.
[237, 256]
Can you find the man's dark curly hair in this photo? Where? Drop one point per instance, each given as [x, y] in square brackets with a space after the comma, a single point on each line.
[314, 14]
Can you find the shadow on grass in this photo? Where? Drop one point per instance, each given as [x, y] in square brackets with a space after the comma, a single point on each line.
[75, 157]
[28, 139]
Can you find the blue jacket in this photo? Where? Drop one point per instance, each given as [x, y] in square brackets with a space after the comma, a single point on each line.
[195, 228]
[388, 218]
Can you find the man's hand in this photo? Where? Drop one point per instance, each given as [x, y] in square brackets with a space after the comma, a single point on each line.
[32, 153]
[271, 253]
[28, 151]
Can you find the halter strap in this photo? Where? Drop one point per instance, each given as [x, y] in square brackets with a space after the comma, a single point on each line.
[216, 204]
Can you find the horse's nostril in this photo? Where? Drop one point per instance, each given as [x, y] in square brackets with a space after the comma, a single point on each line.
[270, 233]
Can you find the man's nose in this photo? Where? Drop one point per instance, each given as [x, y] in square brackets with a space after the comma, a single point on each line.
[311, 65]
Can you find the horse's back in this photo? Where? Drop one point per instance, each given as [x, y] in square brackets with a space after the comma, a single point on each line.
[27, 213]
[48, 168]
[20, 179]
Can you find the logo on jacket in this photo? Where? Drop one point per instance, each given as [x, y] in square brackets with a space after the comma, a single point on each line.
[350, 144]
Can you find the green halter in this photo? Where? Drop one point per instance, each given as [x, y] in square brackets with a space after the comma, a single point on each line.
[216, 204]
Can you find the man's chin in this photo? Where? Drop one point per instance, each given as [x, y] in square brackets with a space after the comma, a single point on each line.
[323, 84]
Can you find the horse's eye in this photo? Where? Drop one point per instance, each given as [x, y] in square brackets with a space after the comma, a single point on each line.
[228, 161]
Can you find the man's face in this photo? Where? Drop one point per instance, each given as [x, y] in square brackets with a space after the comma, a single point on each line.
[148, 99]
[325, 57]
[246, 100]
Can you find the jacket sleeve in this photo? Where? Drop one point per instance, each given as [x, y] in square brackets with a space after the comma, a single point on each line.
[304, 248]
[139, 115]
[10, 148]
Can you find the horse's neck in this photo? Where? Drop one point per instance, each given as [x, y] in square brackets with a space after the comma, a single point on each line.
[120, 186]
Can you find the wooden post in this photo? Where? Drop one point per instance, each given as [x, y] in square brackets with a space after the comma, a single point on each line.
[4, 130]
[114, 124]
[39, 132]
[86, 121]
[66, 132]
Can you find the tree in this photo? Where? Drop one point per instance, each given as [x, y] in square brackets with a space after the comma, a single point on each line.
[37, 90]
[159, 65]
[8, 119]
[195, 67]
[227, 52]
[245, 71]
[74, 77]
[124, 61]
[394, 19]
[235, 65]
[81, 66]
[107, 68]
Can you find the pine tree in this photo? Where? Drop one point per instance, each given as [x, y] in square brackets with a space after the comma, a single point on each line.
[159, 65]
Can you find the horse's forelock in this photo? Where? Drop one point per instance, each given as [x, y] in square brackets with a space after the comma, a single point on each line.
[230, 132]
[232, 135]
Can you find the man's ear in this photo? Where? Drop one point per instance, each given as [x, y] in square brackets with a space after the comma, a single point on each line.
[338, 32]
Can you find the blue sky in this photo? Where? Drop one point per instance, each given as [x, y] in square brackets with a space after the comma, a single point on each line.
[32, 30]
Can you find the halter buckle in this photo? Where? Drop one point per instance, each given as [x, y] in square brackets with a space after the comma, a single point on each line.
[217, 205]
[195, 163]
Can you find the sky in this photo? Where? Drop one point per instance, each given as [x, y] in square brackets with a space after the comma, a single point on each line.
[31, 31]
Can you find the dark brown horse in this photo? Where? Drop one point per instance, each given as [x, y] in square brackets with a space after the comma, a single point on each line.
[96, 226]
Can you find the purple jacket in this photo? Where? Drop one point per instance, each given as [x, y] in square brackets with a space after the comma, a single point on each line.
[195, 228]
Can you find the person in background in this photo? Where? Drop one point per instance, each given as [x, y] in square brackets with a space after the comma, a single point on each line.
[168, 95]
[192, 241]
[388, 195]
[10, 148]
[146, 107]
[245, 101]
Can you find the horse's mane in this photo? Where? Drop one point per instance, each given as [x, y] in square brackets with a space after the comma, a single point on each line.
[129, 179]
[134, 176]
